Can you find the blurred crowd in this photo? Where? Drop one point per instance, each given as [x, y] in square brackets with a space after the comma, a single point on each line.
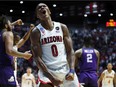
[103, 40]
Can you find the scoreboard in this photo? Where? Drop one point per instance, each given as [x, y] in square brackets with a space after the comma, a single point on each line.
[111, 23]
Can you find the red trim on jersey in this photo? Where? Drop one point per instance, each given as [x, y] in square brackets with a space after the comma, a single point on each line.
[50, 82]
[43, 82]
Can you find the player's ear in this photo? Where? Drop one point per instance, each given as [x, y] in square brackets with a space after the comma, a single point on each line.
[49, 11]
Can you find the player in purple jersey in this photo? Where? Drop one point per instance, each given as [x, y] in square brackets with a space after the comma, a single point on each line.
[88, 59]
[7, 52]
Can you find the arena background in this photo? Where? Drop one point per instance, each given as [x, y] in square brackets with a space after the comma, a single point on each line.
[96, 18]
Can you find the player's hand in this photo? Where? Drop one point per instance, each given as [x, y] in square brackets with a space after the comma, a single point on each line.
[27, 55]
[19, 22]
[56, 81]
[70, 75]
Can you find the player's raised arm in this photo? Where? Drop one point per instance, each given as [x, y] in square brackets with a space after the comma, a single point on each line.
[25, 37]
[37, 53]
[69, 51]
[17, 22]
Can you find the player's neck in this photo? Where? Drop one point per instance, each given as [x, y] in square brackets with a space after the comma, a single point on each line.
[28, 74]
[47, 24]
[109, 71]
[87, 46]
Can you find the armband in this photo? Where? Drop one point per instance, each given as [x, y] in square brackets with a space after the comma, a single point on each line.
[72, 71]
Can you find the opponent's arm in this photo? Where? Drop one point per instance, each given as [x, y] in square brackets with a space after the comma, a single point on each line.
[8, 39]
[24, 39]
[78, 54]
[98, 60]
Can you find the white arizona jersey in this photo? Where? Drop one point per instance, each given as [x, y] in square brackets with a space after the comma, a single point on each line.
[28, 80]
[52, 44]
[108, 79]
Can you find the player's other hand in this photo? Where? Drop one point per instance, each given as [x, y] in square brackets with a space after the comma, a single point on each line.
[27, 55]
[56, 81]
[70, 76]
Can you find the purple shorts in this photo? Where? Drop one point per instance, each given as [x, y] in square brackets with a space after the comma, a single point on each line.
[89, 79]
[7, 75]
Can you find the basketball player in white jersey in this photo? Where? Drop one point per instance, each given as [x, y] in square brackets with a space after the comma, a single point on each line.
[53, 52]
[28, 79]
[17, 44]
[108, 77]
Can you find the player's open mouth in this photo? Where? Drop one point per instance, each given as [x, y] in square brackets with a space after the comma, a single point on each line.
[44, 12]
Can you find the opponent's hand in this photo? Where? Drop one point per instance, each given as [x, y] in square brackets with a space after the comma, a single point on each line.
[27, 55]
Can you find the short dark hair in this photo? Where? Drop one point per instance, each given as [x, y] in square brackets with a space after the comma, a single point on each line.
[29, 68]
[88, 40]
[3, 21]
